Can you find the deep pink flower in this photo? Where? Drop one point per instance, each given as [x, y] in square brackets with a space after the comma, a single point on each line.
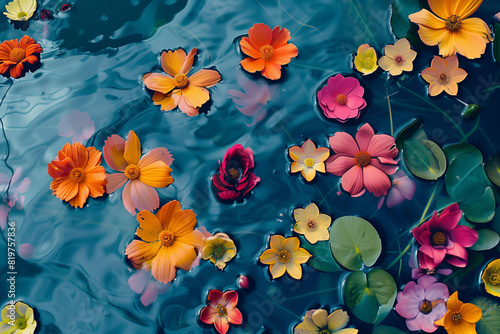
[221, 310]
[422, 303]
[12, 188]
[235, 177]
[402, 188]
[441, 238]
[363, 163]
[342, 98]
[76, 125]
[143, 282]
[417, 272]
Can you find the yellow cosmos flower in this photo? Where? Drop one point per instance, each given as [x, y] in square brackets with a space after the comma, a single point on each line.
[285, 256]
[219, 249]
[444, 74]
[17, 319]
[398, 58]
[366, 59]
[491, 278]
[451, 29]
[461, 317]
[308, 159]
[312, 224]
[319, 322]
[20, 10]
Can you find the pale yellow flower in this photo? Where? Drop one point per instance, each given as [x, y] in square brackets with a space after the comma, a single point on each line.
[20, 10]
[17, 319]
[398, 58]
[312, 224]
[219, 249]
[365, 60]
[319, 322]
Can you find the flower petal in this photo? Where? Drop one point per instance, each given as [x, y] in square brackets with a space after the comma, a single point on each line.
[171, 61]
[364, 136]
[156, 175]
[115, 182]
[205, 78]
[352, 180]
[284, 54]
[272, 70]
[343, 143]
[471, 313]
[260, 34]
[229, 299]
[132, 153]
[162, 268]
[143, 196]
[319, 318]
[196, 96]
[253, 65]
[337, 320]
[159, 82]
[269, 256]
[277, 269]
[297, 153]
[113, 151]
[156, 154]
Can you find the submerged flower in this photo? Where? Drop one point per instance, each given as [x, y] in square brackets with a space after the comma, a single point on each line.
[444, 74]
[319, 322]
[342, 98]
[365, 60]
[76, 125]
[402, 188]
[491, 278]
[16, 57]
[441, 238]
[398, 58]
[139, 175]
[77, 174]
[20, 10]
[364, 163]
[169, 241]
[221, 310]
[451, 29]
[175, 88]
[143, 283]
[17, 318]
[12, 188]
[308, 159]
[461, 317]
[219, 249]
[422, 303]
[285, 256]
[235, 177]
[267, 49]
[312, 224]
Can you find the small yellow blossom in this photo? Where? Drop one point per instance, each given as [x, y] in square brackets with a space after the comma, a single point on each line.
[219, 249]
[319, 322]
[365, 60]
[17, 318]
[308, 159]
[312, 224]
[285, 256]
[491, 278]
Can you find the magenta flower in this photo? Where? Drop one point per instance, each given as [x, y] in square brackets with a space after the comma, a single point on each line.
[76, 125]
[142, 282]
[422, 303]
[235, 177]
[342, 98]
[441, 238]
[364, 163]
[402, 188]
[12, 188]
[417, 272]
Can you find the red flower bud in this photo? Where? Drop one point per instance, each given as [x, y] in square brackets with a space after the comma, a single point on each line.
[243, 282]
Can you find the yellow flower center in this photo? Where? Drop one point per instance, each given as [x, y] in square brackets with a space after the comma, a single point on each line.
[324, 331]
[495, 279]
[443, 78]
[453, 23]
[341, 99]
[17, 54]
[369, 63]
[284, 256]
[309, 162]
[456, 317]
[77, 174]
[218, 252]
[21, 14]
[311, 225]
[234, 173]
[266, 51]
[438, 239]
[362, 158]
[21, 323]
[221, 310]
[132, 172]
[166, 238]
[181, 80]
[426, 307]
[399, 60]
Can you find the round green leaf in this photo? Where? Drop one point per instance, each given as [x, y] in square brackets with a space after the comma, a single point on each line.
[424, 158]
[481, 210]
[354, 241]
[465, 179]
[322, 258]
[400, 23]
[495, 223]
[490, 321]
[492, 168]
[487, 240]
[452, 151]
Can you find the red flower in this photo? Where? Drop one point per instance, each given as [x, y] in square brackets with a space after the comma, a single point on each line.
[221, 310]
[16, 56]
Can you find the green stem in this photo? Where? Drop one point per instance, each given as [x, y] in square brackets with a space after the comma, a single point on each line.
[390, 112]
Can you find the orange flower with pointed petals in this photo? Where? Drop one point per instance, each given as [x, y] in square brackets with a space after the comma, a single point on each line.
[17, 56]
[444, 74]
[176, 88]
[168, 241]
[451, 29]
[267, 49]
[461, 317]
[77, 174]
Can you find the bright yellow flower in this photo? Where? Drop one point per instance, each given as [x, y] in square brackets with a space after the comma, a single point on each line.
[444, 74]
[20, 10]
[219, 249]
[312, 224]
[285, 256]
[365, 60]
[17, 319]
[461, 317]
[398, 58]
[451, 29]
[308, 159]
[319, 322]
[491, 278]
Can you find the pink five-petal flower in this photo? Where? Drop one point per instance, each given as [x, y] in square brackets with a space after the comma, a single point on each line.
[364, 163]
[442, 238]
[402, 188]
[221, 310]
[76, 125]
[12, 189]
[342, 98]
[142, 282]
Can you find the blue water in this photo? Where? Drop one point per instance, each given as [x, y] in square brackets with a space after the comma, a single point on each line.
[94, 58]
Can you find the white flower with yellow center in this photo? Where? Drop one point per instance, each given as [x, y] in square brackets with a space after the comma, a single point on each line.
[20, 10]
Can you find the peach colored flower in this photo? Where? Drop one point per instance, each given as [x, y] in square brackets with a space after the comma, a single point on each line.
[398, 58]
[308, 159]
[444, 74]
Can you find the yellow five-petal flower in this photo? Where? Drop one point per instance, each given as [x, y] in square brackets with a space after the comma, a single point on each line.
[219, 249]
[285, 255]
[312, 224]
[491, 278]
[308, 159]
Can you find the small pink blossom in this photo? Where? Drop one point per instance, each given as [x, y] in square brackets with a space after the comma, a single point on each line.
[143, 283]
[12, 188]
[402, 188]
[76, 125]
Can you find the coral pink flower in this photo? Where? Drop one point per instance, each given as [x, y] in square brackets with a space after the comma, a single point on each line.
[364, 163]
[221, 310]
[12, 188]
[441, 238]
[342, 98]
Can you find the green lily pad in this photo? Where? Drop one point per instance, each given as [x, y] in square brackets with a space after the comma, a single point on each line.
[465, 179]
[401, 9]
[487, 240]
[492, 169]
[408, 131]
[322, 258]
[452, 151]
[370, 296]
[424, 158]
[495, 223]
[490, 321]
[481, 210]
[354, 241]
[386, 330]
[496, 42]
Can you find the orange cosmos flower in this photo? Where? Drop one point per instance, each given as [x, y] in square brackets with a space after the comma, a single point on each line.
[444, 74]
[451, 29]
[169, 241]
[175, 88]
[267, 50]
[461, 318]
[16, 56]
[77, 174]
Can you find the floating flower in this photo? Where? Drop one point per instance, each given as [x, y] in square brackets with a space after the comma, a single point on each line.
[451, 29]
[417, 272]
[365, 60]
[169, 241]
[491, 278]
[398, 58]
[312, 224]
[143, 283]
[77, 174]
[235, 177]
[308, 159]
[219, 249]
[12, 188]
[17, 318]
[267, 49]
[20, 10]
[422, 303]
[461, 317]
[497, 17]
[319, 322]
[176, 88]
[285, 255]
[17, 57]
[221, 310]
[441, 238]
[402, 188]
[139, 175]
[364, 163]
[76, 125]
[342, 98]
[444, 74]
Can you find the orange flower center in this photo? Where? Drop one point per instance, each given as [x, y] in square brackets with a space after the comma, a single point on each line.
[399, 60]
[132, 172]
[426, 307]
[221, 310]
[438, 239]
[266, 51]
[77, 174]
[453, 23]
[443, 78]
[311, 225]
[341, 99]
[362, 158]
[309, 162]
[17, 54]
[181, 80]
[456, 317]
[495, 279]
[234, 173]
[166, 238]
[284, 256]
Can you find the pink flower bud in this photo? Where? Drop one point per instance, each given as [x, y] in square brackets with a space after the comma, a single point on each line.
[243, 282]
[26, 251]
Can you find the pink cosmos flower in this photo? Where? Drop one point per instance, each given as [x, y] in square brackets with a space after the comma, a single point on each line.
[342, 98]
[142, 282]
[12, 188]
[76, 125]
[441, 238]
[221, 310]
[364, 163]
[422, 303]
[402, 188]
